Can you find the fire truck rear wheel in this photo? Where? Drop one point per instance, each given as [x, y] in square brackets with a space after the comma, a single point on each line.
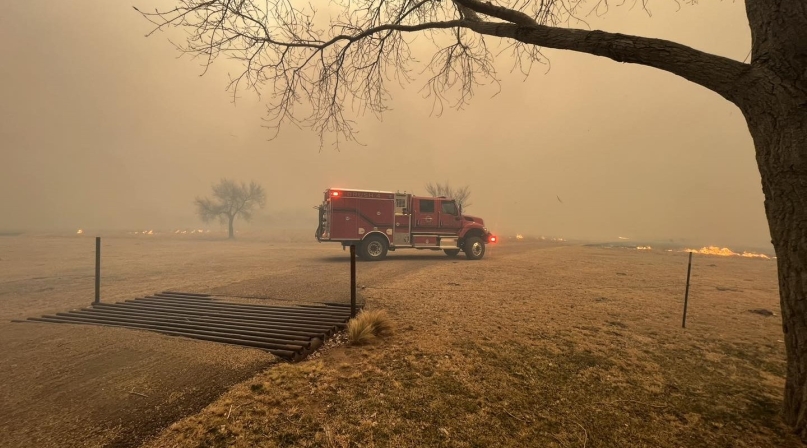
[373, 248]
[452, 252]
[474, 248]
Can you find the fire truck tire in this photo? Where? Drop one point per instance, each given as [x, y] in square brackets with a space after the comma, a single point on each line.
[452, 252]
[373, 248]
[474, 248]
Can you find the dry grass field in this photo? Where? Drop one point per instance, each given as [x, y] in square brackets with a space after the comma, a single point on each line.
[536, 345]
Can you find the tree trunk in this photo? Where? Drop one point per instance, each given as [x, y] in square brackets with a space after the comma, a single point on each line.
[784, 174]
[777, 119]
[230, 227]
[776, 112]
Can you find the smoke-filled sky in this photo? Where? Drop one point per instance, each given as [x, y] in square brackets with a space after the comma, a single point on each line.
[101, 127]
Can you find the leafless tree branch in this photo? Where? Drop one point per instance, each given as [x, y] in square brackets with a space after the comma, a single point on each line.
[461, 195]
[325, 75]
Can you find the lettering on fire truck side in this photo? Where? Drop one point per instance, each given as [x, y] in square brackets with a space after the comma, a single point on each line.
[366, 194]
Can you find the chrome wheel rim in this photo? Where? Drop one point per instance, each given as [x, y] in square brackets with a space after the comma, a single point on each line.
[476, 249]
[375, 249]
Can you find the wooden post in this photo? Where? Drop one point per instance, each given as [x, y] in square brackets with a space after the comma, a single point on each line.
[97, 269]
[352, 280]
[686, 294]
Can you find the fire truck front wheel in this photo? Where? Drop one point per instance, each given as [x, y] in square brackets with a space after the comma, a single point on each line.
[474, 248]
[373, 248]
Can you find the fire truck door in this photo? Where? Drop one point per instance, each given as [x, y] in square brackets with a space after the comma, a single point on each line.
[426, 216]
[450, 219]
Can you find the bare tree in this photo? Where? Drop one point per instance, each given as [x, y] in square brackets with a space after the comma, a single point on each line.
[231, 200]
[316, 71]
[459, 194]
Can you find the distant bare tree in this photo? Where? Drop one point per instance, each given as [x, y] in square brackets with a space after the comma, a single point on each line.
[460, 194]
[231, 200]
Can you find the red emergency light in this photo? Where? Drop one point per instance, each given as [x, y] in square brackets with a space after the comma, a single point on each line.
[492, 239]
[334, 193]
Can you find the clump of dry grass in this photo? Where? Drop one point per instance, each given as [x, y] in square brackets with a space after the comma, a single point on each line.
[369, 325]
[360, 331]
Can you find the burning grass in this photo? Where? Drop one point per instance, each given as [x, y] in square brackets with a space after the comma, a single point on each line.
[534, 348]
[726, 252]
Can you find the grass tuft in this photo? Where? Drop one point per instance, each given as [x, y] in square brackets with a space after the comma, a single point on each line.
[369, 325]
[359, 331]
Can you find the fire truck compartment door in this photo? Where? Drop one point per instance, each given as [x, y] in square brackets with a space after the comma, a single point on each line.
[345, 219]
[426, 240]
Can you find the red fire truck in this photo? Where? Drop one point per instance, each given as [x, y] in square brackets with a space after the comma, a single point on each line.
[381, 221]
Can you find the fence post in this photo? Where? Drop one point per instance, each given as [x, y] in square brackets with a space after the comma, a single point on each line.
[686, 294]
[97, 269]
[352, 280]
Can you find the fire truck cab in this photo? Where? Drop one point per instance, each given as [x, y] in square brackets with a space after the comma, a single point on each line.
[380, 221]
